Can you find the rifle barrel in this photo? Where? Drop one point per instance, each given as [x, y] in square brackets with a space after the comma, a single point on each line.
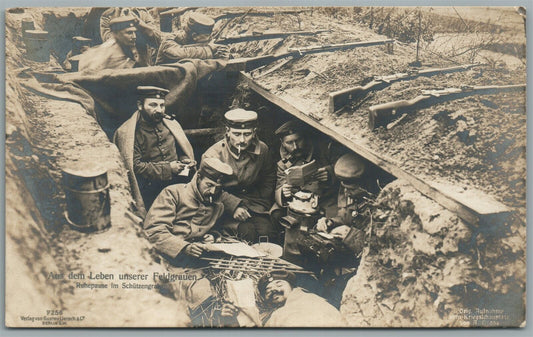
[338, 99]
[266, 36]
[382, 114]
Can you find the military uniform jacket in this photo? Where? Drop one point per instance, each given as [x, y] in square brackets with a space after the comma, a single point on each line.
[179, 216]
[253, 179]
[177, 47]
[124, 139]
[111, 55]
[301, 310]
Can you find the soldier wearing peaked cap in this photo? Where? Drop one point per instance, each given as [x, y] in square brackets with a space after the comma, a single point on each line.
[193, 41]
[128, 43]
[349, 224]
[143, 20]
[299, 147]
[180, 223]
[184, 213]
[156, 150]
[252, 184]
[292, 306]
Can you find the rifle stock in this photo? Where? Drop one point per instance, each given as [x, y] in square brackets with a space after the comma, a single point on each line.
[382, 114]
[338, 99]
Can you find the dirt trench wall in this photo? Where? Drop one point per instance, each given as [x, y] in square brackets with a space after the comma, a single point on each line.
[43, 136]
[424, 267]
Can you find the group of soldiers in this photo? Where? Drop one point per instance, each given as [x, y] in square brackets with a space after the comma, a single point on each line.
[131, 39]
[237, 189]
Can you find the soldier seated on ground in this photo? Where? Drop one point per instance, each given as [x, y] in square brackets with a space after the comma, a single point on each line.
[192, 42]
[183, 214]
[251, 187]
[298, 148]
[291, 306]
[147, 30]
[156, 151]
[180, 223]
[122, 51]
[352, 195]
[348, 226]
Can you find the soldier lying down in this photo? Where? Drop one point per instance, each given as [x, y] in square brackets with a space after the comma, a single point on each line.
[290, 306]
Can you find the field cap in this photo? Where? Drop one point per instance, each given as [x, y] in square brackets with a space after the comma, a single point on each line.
[241, 119]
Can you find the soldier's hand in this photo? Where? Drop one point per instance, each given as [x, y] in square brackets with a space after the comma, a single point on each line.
[286, 190]
[194, 249]
[219, 50]
[241, 214]
[176, 167]
[190, 163]
[208, 238]
[323, 224]
[229, 310]
[321, 174]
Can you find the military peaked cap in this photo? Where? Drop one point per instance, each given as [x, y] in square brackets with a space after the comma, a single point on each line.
[349, 167]
[122, 22]
[275, 275]
[151, 92]
[200, 23]
[215, 169]
[289, 128]
[241, 119]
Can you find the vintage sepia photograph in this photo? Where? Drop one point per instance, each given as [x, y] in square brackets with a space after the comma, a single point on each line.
[276, 167]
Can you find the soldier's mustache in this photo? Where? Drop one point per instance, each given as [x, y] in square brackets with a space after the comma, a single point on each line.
[274, 293]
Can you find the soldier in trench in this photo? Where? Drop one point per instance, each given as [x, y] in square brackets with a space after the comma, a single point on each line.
[289, 305]
[180, 223]
[349, 224]
[251, 188]
[191, 42]
[123, 50]
[156, 151]
[296, 149]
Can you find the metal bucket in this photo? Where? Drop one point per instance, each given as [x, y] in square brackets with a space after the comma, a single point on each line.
[165, 22]
[27, 24]
[37, 45]
[87, 196]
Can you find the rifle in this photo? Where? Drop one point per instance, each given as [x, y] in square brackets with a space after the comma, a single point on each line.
[382, 114]
[165, 17]
[249, 63]
[265, 36]
[338, 99]
[230, 15]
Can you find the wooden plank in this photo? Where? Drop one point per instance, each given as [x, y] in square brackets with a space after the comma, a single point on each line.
[202, 132]
[472, 212]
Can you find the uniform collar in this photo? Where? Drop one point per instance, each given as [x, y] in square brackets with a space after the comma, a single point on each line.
[194, 186]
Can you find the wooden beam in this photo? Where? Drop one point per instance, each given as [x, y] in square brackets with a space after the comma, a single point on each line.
[474, 211]
[203, 132]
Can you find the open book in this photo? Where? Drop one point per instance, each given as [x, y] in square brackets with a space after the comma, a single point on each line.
[301, 175]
